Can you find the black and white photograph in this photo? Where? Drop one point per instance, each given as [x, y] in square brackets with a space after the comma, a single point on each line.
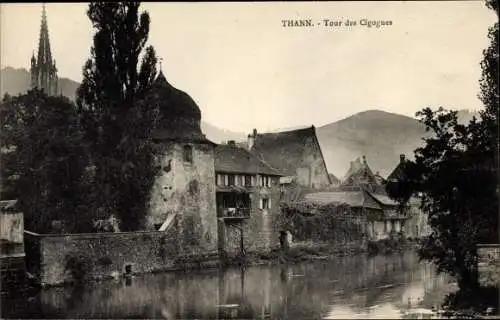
[249, 160]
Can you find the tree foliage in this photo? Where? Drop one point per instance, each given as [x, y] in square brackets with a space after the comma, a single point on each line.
[336, 223]
[116, 115]
[43, 161]
[456, 174]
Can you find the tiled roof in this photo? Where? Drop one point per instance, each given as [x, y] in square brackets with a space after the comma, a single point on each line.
[233, 159]
[352, 198]
[285, 151]
[385, 200]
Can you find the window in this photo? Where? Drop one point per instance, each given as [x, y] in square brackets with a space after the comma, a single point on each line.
[248, 181]
[231, 180]
[264, 181]
[188, 154]
[265, 203]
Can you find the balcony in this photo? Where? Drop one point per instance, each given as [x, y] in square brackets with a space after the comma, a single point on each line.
[234, 213]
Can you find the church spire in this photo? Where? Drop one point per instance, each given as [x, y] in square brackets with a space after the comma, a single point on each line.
[44, 72]
[44, 54]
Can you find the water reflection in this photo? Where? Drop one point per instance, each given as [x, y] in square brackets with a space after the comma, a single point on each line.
[349, 287]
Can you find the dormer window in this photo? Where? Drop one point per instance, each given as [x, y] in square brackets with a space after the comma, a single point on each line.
[188, 154]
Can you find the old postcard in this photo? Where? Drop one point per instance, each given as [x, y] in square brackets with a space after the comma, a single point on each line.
[253, 160]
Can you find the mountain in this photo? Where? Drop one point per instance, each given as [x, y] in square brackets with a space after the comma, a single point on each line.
[380, 136]
[15, 81]
[218, 135]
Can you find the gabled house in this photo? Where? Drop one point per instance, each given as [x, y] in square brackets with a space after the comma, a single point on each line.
[295, 154]
[247, 200]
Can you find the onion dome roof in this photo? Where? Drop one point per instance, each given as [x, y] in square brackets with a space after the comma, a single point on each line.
[180, 115]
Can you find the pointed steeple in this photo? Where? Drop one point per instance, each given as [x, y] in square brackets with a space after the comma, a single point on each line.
[44, 53]
[44, 72]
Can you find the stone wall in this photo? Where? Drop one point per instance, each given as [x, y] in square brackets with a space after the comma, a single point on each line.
[260, 232]
[489, 264]
[56, 259]
[187, 189]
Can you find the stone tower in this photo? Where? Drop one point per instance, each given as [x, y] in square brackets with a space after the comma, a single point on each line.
[184, 192]
[43, 67]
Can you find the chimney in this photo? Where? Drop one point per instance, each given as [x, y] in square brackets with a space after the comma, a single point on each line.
[401, 158]
[364, 160]
[251, 139]
[231, 143]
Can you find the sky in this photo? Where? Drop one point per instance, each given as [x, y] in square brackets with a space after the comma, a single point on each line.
[245, 70]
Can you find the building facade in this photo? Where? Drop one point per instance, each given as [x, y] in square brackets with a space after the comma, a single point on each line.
[43, 68]
[247, 197]
[295, 154]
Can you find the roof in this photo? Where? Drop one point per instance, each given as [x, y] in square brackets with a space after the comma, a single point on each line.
[180, 115]
[360, 174]
[286, 151]
[383, 199]
[355, 199]
[233, 159]
[398, 172]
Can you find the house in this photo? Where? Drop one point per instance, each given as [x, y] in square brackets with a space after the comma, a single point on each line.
[417, 225]
[362, 192]
[184, 194]
[247, 198]
[387, 220]
[295, 154]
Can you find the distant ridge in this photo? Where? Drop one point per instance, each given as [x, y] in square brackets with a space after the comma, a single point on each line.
[15, 81]
[379, 135]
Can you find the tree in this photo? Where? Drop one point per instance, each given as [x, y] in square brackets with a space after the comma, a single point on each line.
[116, 115]
[456, 173]
[43, 161]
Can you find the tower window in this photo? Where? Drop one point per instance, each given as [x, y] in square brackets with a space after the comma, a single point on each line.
[188, 154]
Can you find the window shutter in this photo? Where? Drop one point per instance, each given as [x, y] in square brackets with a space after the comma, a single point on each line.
[261, 203]
[269, 203]
[226, 179]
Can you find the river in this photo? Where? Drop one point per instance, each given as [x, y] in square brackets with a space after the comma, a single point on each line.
[345, 288]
